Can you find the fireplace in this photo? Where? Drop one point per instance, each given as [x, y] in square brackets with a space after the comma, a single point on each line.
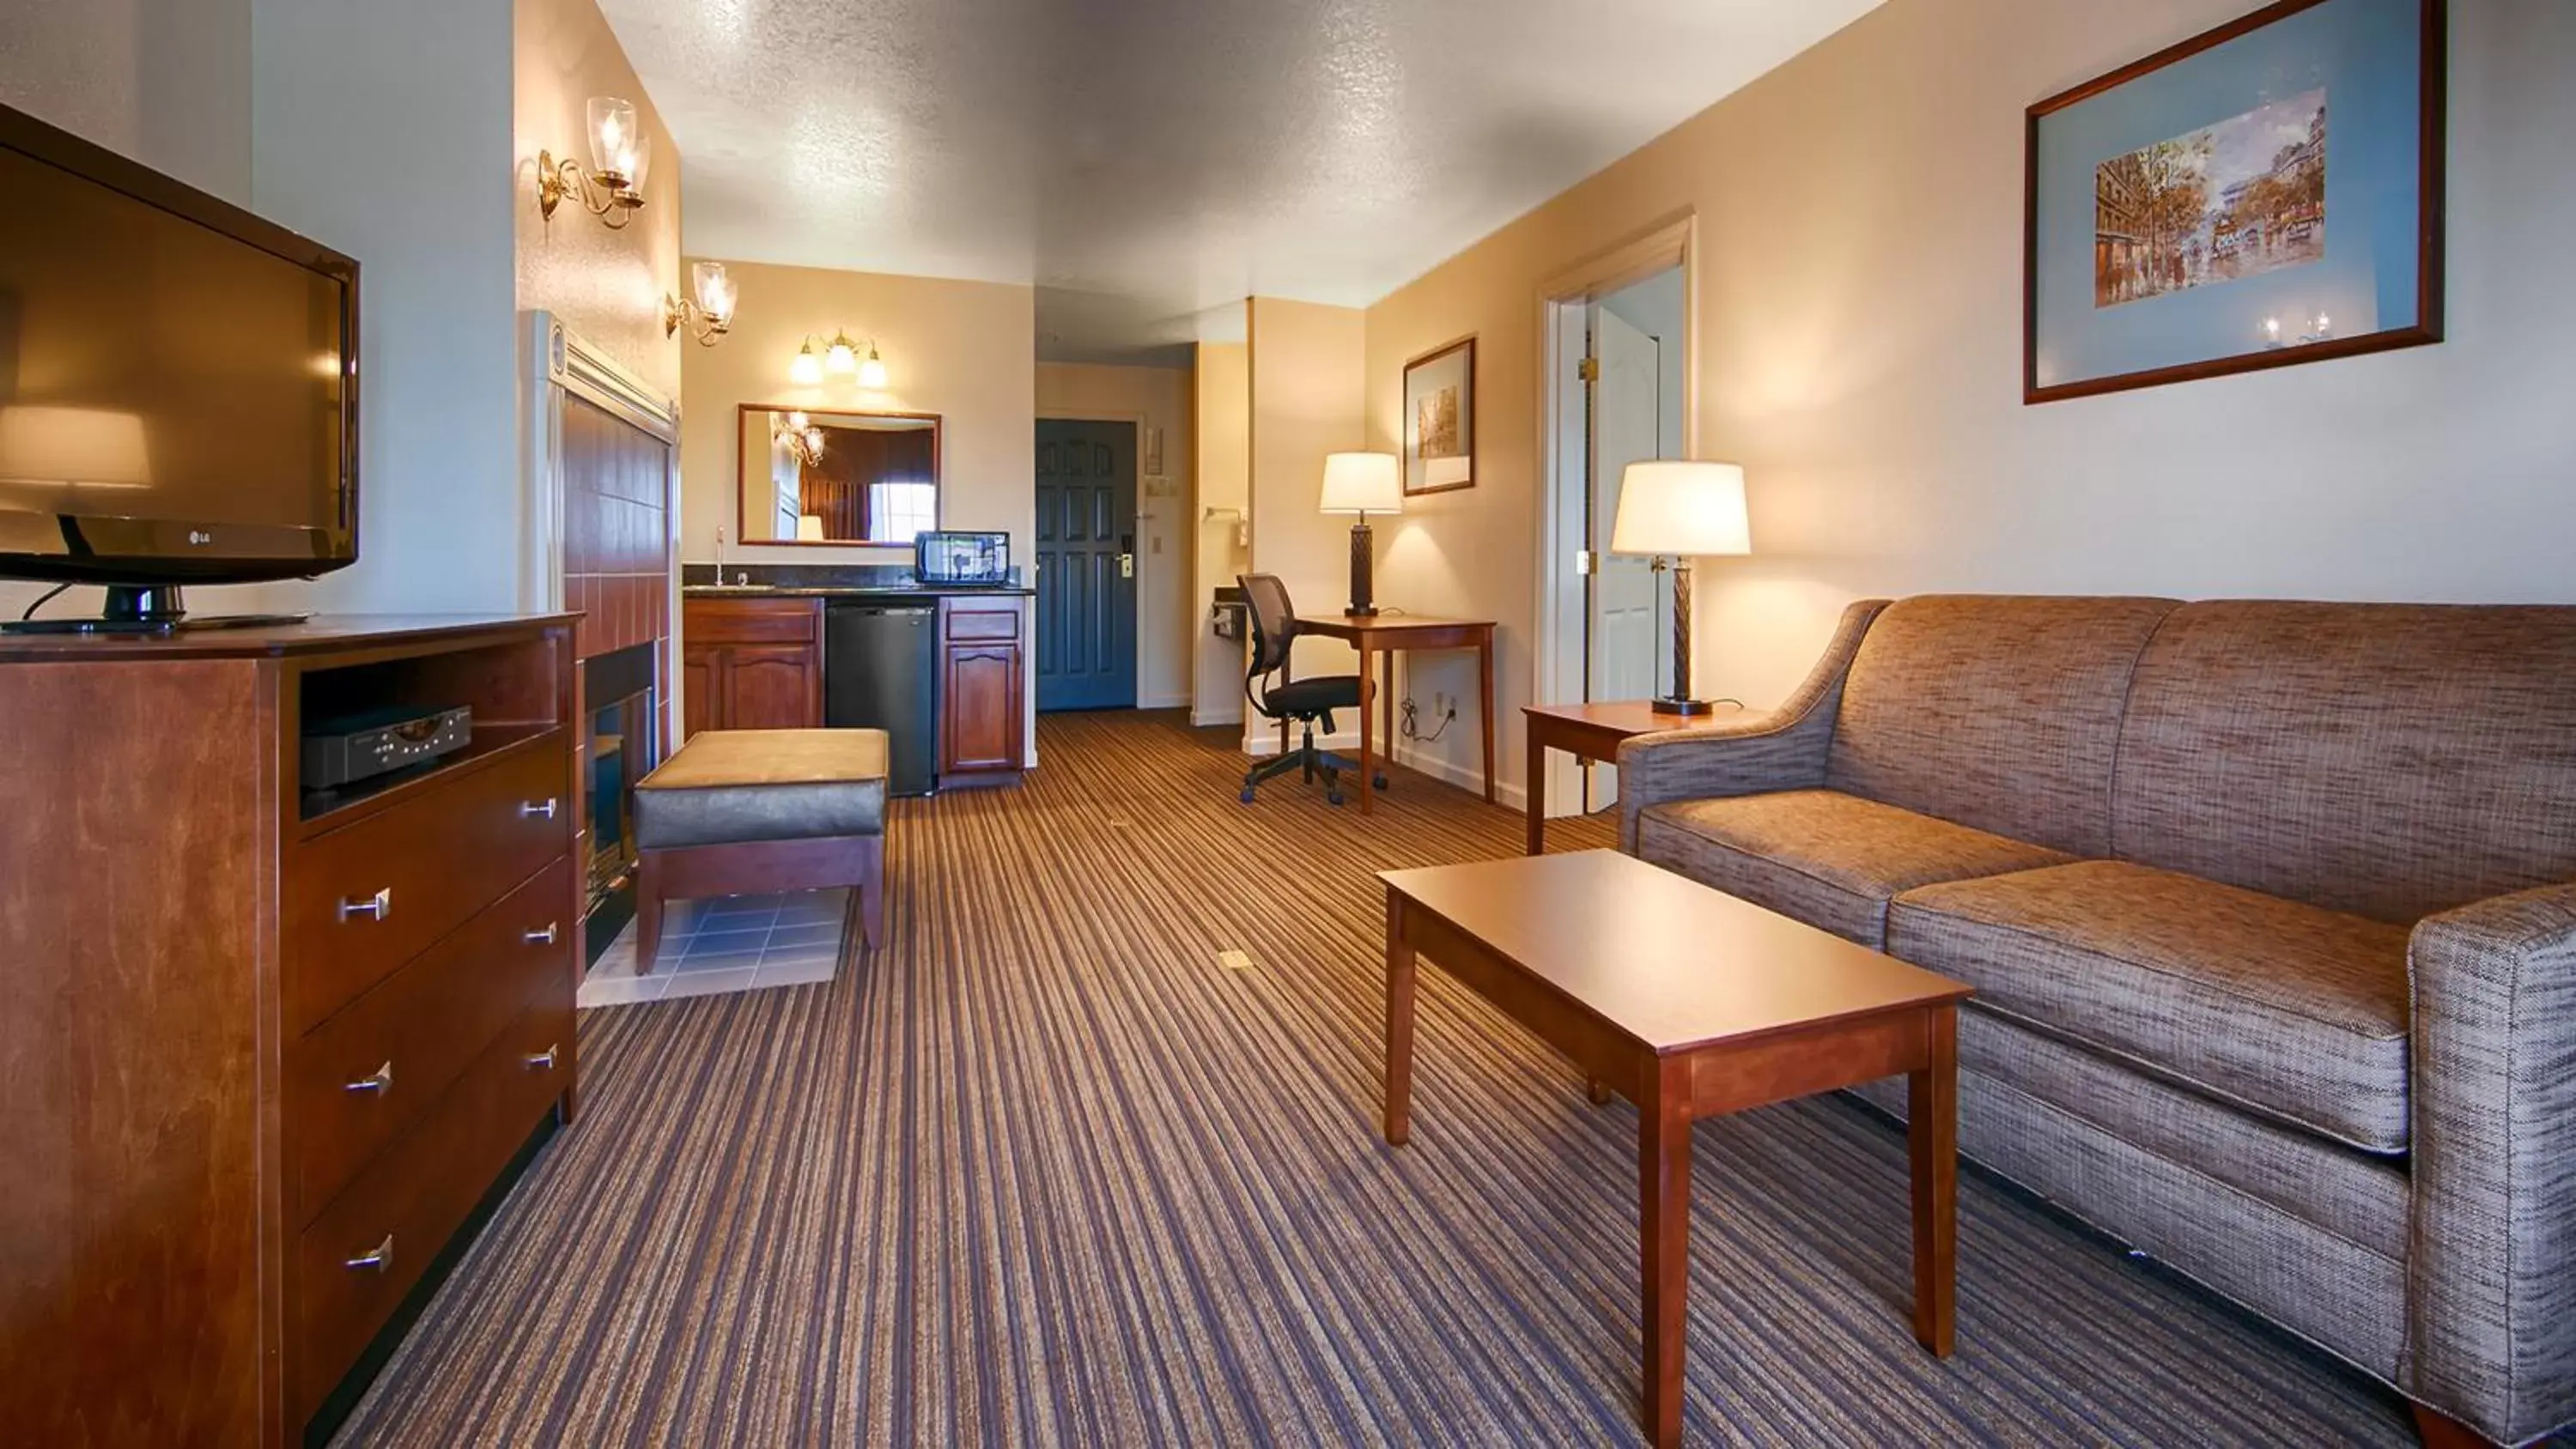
[622, 743]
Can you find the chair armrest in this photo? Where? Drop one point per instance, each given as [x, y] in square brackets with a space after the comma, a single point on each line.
[1782, 750]
[2491, 1246]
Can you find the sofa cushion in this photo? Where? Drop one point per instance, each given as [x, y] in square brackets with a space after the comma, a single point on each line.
[1998, 713]
[1829, 859]
[2283, 1008]
[728, 787]
[2392, 760]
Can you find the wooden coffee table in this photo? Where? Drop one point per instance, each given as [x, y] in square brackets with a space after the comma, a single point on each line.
[1690, 1003]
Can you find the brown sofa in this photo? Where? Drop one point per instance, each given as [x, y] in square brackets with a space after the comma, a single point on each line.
[2271, 911]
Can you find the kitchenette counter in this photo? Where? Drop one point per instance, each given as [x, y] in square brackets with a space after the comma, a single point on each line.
[892, 594]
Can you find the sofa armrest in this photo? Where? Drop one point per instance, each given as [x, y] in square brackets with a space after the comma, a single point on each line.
[1782, 750]
[2491, 1245]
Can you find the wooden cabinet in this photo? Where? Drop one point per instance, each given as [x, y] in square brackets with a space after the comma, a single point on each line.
[267, 1047]
[751, 664]
[982, 707]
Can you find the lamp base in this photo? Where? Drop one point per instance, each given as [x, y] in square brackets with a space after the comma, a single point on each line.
[1670, 705]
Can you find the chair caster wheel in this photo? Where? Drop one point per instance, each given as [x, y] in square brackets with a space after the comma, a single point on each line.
[1245, 797]
[1333, 797]
[1379, 781]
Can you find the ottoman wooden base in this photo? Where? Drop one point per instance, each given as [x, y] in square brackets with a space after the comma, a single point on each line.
[690, 872]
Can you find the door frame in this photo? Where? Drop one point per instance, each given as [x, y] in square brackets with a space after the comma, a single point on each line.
[1671, 242]
[1136, 424]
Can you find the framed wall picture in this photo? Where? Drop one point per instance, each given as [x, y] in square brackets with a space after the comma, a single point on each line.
[2266, 194]
[1440, 419]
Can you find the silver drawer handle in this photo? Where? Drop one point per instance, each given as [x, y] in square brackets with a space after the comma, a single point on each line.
[543, 1061]
[380, 1257]
[537, 809]
[543, 937]
[375, 907]
[379, 1080]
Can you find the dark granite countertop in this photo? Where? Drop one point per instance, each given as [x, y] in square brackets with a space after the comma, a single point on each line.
[853, 591]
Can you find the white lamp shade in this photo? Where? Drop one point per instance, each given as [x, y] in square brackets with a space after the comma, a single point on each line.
[73, 447]
[809, 528]
[1693, 510]
[618, 145]
[716, 295]
[1363, 483]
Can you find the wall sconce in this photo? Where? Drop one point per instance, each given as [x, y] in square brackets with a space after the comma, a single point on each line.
[613, 187]
[711, 315]
[798, 435]
[839, 358]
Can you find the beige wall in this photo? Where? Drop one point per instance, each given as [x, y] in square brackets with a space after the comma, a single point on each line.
[1307, 390]
[606, 285]
[1159, 398]
[1859, 348]
[963, 350]
[1223, 401]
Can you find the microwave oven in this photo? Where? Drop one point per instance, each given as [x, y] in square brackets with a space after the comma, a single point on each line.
[943, 557]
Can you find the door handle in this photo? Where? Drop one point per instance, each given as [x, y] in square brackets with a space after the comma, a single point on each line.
[1126, 565]
[537, 809]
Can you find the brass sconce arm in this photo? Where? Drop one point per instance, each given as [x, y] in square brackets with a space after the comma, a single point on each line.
[612, 198]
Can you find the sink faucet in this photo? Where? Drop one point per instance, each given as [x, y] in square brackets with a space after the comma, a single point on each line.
[719, 553]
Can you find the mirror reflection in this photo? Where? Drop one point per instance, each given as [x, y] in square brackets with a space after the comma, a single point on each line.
[810, 476]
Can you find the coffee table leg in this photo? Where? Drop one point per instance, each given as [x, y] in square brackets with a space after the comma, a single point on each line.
[1932, 1139]
[1399, 1024]
[1663, 1221]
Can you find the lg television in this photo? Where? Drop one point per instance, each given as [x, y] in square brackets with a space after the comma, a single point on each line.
[178, 384]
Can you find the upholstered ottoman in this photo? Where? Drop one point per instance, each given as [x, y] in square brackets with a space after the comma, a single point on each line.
[737, 812]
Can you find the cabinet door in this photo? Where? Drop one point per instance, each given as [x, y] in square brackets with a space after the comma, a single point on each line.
[701, 689]
[772, 687]
[980, 708]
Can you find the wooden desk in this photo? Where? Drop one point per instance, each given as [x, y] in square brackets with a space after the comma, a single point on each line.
[1592, 731]
[1689, 1003]
[1383, 635]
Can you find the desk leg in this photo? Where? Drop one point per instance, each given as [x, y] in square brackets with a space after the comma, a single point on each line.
[1485, 681]
[1537, 789]
[1368, 686]
[1663, 1221]
[1386, 704]
[1932, 1140]
[1399, 1025]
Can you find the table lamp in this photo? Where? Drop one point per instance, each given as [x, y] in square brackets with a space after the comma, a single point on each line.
[1680, 511]
[1362, 483]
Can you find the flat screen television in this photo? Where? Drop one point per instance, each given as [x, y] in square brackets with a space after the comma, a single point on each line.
[178, 383]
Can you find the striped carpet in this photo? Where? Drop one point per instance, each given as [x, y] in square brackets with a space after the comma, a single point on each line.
[1042, 1172]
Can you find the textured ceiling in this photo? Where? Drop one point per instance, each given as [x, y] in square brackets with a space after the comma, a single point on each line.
[1141, 160]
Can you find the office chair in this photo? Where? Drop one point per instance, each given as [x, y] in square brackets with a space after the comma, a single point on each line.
[1286, 699]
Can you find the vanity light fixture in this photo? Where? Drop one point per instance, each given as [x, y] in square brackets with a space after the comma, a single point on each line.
[807, 369]
[613, 186]
[710, 316]
[838, 358]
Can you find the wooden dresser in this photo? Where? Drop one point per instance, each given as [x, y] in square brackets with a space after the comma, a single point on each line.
[264, 1050]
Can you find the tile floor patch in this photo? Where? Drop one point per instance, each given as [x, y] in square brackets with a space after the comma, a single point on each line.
[732, 943]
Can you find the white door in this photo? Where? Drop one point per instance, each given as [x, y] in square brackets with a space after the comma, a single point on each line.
[1627, 427]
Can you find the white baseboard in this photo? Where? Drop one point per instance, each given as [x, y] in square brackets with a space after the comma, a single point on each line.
[1265, 746]
[1162, 701]
[1464, 777]
[1210, 718]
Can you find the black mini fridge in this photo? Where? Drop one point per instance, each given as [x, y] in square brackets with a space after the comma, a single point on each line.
[881, 671]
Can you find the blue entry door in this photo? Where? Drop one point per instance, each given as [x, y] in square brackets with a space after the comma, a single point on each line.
[1086, 558]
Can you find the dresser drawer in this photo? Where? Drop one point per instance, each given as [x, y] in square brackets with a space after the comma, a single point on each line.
[365, 898]
[377, 1066]
[365, 1251]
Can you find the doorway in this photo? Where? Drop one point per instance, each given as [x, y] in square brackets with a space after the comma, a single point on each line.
[1618, 391]
[1086, 565]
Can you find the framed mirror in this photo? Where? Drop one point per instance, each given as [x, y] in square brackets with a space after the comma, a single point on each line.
[819, 477]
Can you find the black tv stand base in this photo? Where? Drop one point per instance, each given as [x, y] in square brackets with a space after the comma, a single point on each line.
[152, 609]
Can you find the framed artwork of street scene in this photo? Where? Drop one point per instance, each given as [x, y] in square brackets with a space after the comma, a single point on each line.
[2266, 194]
